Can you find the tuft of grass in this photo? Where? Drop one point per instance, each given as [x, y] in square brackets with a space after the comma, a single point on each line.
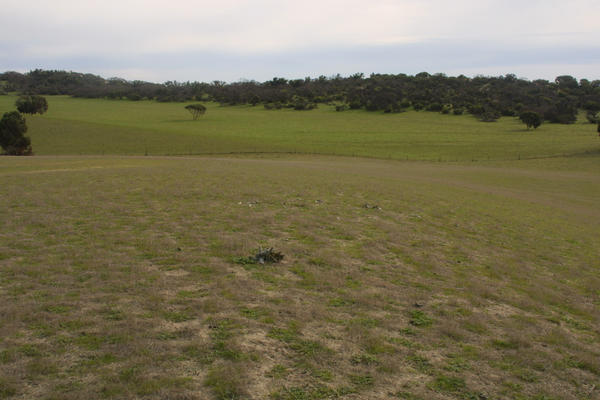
[226, 382]
[449, 384]
[421, 364]
[176, 316]
[8, 388]
[365, 359]
[278, 372]
[420, 319]
[362, 381]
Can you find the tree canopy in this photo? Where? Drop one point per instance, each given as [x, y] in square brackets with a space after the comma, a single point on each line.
[196, 110]
[32, 104]
[531, 119]
[12, 134]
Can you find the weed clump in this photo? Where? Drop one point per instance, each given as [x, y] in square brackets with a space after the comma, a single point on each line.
[267, 256]
[419, 318]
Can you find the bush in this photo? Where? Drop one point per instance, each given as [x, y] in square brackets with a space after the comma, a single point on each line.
[531, 119]
[489, 116]
[592, 117]
[12, 134]
[446, 109]
[355, 105]
[437, 107]
[562, 113]
[302, 105]
[32, 104]
[273, 106]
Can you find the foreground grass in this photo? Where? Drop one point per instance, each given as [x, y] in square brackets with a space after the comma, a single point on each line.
[125, 278]
[92, 126]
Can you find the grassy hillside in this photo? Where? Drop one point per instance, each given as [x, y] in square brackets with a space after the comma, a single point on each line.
[125, 277]
[91, 126]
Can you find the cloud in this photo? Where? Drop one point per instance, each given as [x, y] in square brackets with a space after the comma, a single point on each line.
[149, 32]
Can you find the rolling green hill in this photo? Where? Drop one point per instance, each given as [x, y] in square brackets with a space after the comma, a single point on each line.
[90, 126]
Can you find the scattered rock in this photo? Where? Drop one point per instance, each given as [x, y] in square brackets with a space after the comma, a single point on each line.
[250, 203]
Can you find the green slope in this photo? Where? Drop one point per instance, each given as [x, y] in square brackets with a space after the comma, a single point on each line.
[91, 126]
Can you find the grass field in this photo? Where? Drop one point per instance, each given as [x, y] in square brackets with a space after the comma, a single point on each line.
[91, 126]
[127, 277]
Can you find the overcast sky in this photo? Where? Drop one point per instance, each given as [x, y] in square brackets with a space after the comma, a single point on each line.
[231, 40]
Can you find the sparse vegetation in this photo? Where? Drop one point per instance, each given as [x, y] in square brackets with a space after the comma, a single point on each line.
[475, 278]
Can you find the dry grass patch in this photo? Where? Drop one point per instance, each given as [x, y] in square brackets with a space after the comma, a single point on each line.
[120, 278]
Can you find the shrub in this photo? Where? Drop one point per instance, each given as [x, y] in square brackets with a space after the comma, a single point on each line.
[437, 107]
[32, 104]
[12, 134]
[531, 119]
[489, 116]
[592, 116]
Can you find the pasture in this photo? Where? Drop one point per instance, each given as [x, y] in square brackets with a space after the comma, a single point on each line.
[92, 126]
[125, 276]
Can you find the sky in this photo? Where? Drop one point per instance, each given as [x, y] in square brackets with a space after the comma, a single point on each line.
[232, 40]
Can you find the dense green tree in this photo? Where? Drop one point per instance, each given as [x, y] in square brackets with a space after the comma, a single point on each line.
[32, 104]
[12, 134]
[566, 82]
[196, 110]
[531, 119]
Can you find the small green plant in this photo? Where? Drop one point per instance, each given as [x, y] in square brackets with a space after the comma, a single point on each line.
[365, 359]
[420, 363]
[362, 381]
[420, 319]
[449, 384]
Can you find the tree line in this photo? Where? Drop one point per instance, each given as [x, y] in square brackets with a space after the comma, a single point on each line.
[487, 98]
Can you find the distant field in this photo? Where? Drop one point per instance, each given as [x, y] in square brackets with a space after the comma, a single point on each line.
[124, 277]
[82, 126]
